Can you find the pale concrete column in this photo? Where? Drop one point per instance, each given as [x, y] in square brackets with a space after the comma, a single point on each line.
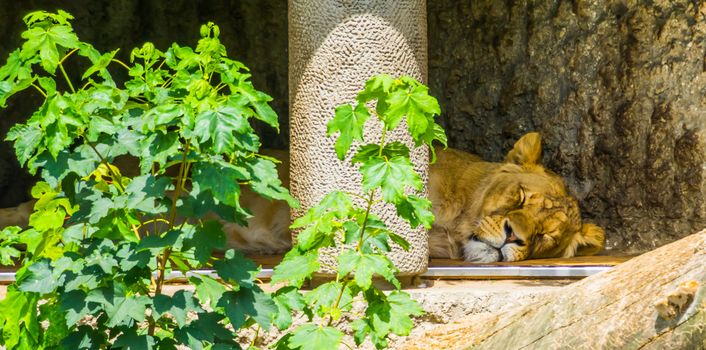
[334, 47]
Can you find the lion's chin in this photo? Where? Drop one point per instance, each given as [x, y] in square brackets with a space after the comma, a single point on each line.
[476, 251]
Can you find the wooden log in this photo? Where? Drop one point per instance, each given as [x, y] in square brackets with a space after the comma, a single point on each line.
[653, 301]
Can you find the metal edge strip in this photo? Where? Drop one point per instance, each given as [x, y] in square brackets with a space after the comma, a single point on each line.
[437, 272]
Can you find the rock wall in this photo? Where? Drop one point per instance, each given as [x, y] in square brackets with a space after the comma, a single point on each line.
[617, 89]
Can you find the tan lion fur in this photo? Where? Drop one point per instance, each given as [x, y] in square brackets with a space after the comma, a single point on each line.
[476, 204]
[507, 211]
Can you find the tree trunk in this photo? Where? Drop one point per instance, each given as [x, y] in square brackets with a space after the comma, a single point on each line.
[654, 301]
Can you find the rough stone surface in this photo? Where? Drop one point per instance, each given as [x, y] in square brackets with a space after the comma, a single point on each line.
[615, 309]
[334, 47]
[615, 87]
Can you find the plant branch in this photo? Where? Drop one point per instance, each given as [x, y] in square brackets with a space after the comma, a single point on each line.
[370, 201]
[382, 141]
[67, 55]
[118, 179]
[40, 90]
[120, 63]
[66, 77]
[338, 300]
[162, 265]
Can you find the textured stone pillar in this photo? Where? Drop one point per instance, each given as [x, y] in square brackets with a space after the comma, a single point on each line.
[334, 47]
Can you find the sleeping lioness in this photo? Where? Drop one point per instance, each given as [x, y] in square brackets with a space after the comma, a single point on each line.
[484, 211]
[508, 211]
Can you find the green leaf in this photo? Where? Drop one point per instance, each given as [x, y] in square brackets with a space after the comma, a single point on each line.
[392, 175]
[287, 300]
[220, 126]
[165, 240]
[157, 148]
[7, 88]
[387, 314]
[376, 87]
[74, 304]
[401, 308]
[85, 337]
[37, 278]
[161, 115]
[27, 139]
[259, 101]
[9, 237]
[48, 84]
[236, 269]
[54, 170]
[296, 268]
[264, 180]
[178, 306]
[14, 66]
[248, 302]
[312, 337]
[45, 41]
[221, 181]
[51, 314]
[206, 328]
[208, 289]
[100, 64]
[416, 105]
[323, 298]
[18, 319]
[207, 238]
[372, 150]
[130, 340]
[121, 308]
[436, 132]
[416, 210]
[336, 202]
[365, 267]
[146, 192]
[49, 211]
[8, 255]
[350, 123]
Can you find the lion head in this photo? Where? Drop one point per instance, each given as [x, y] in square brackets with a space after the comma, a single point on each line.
[517, 210]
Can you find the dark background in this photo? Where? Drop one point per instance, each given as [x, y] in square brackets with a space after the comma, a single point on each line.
[618, 92]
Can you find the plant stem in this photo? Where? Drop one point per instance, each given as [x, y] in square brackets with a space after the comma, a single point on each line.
[338, 300]
[121, 63]
[382, 141]
[162, 265]
[67, 55]
[40, 90]
[118, 179]
[66, 76]
[181, 180]
[365, 220]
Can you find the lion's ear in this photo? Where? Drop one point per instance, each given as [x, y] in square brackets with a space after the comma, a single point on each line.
[527, 150]
[590, 240]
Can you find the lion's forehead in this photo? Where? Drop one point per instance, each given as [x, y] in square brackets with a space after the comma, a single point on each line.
[555, 213]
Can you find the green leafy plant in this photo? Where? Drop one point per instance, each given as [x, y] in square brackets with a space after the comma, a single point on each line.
[95, 280]
[363, 239]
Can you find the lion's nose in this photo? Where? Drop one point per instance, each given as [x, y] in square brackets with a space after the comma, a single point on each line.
[510, 236]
